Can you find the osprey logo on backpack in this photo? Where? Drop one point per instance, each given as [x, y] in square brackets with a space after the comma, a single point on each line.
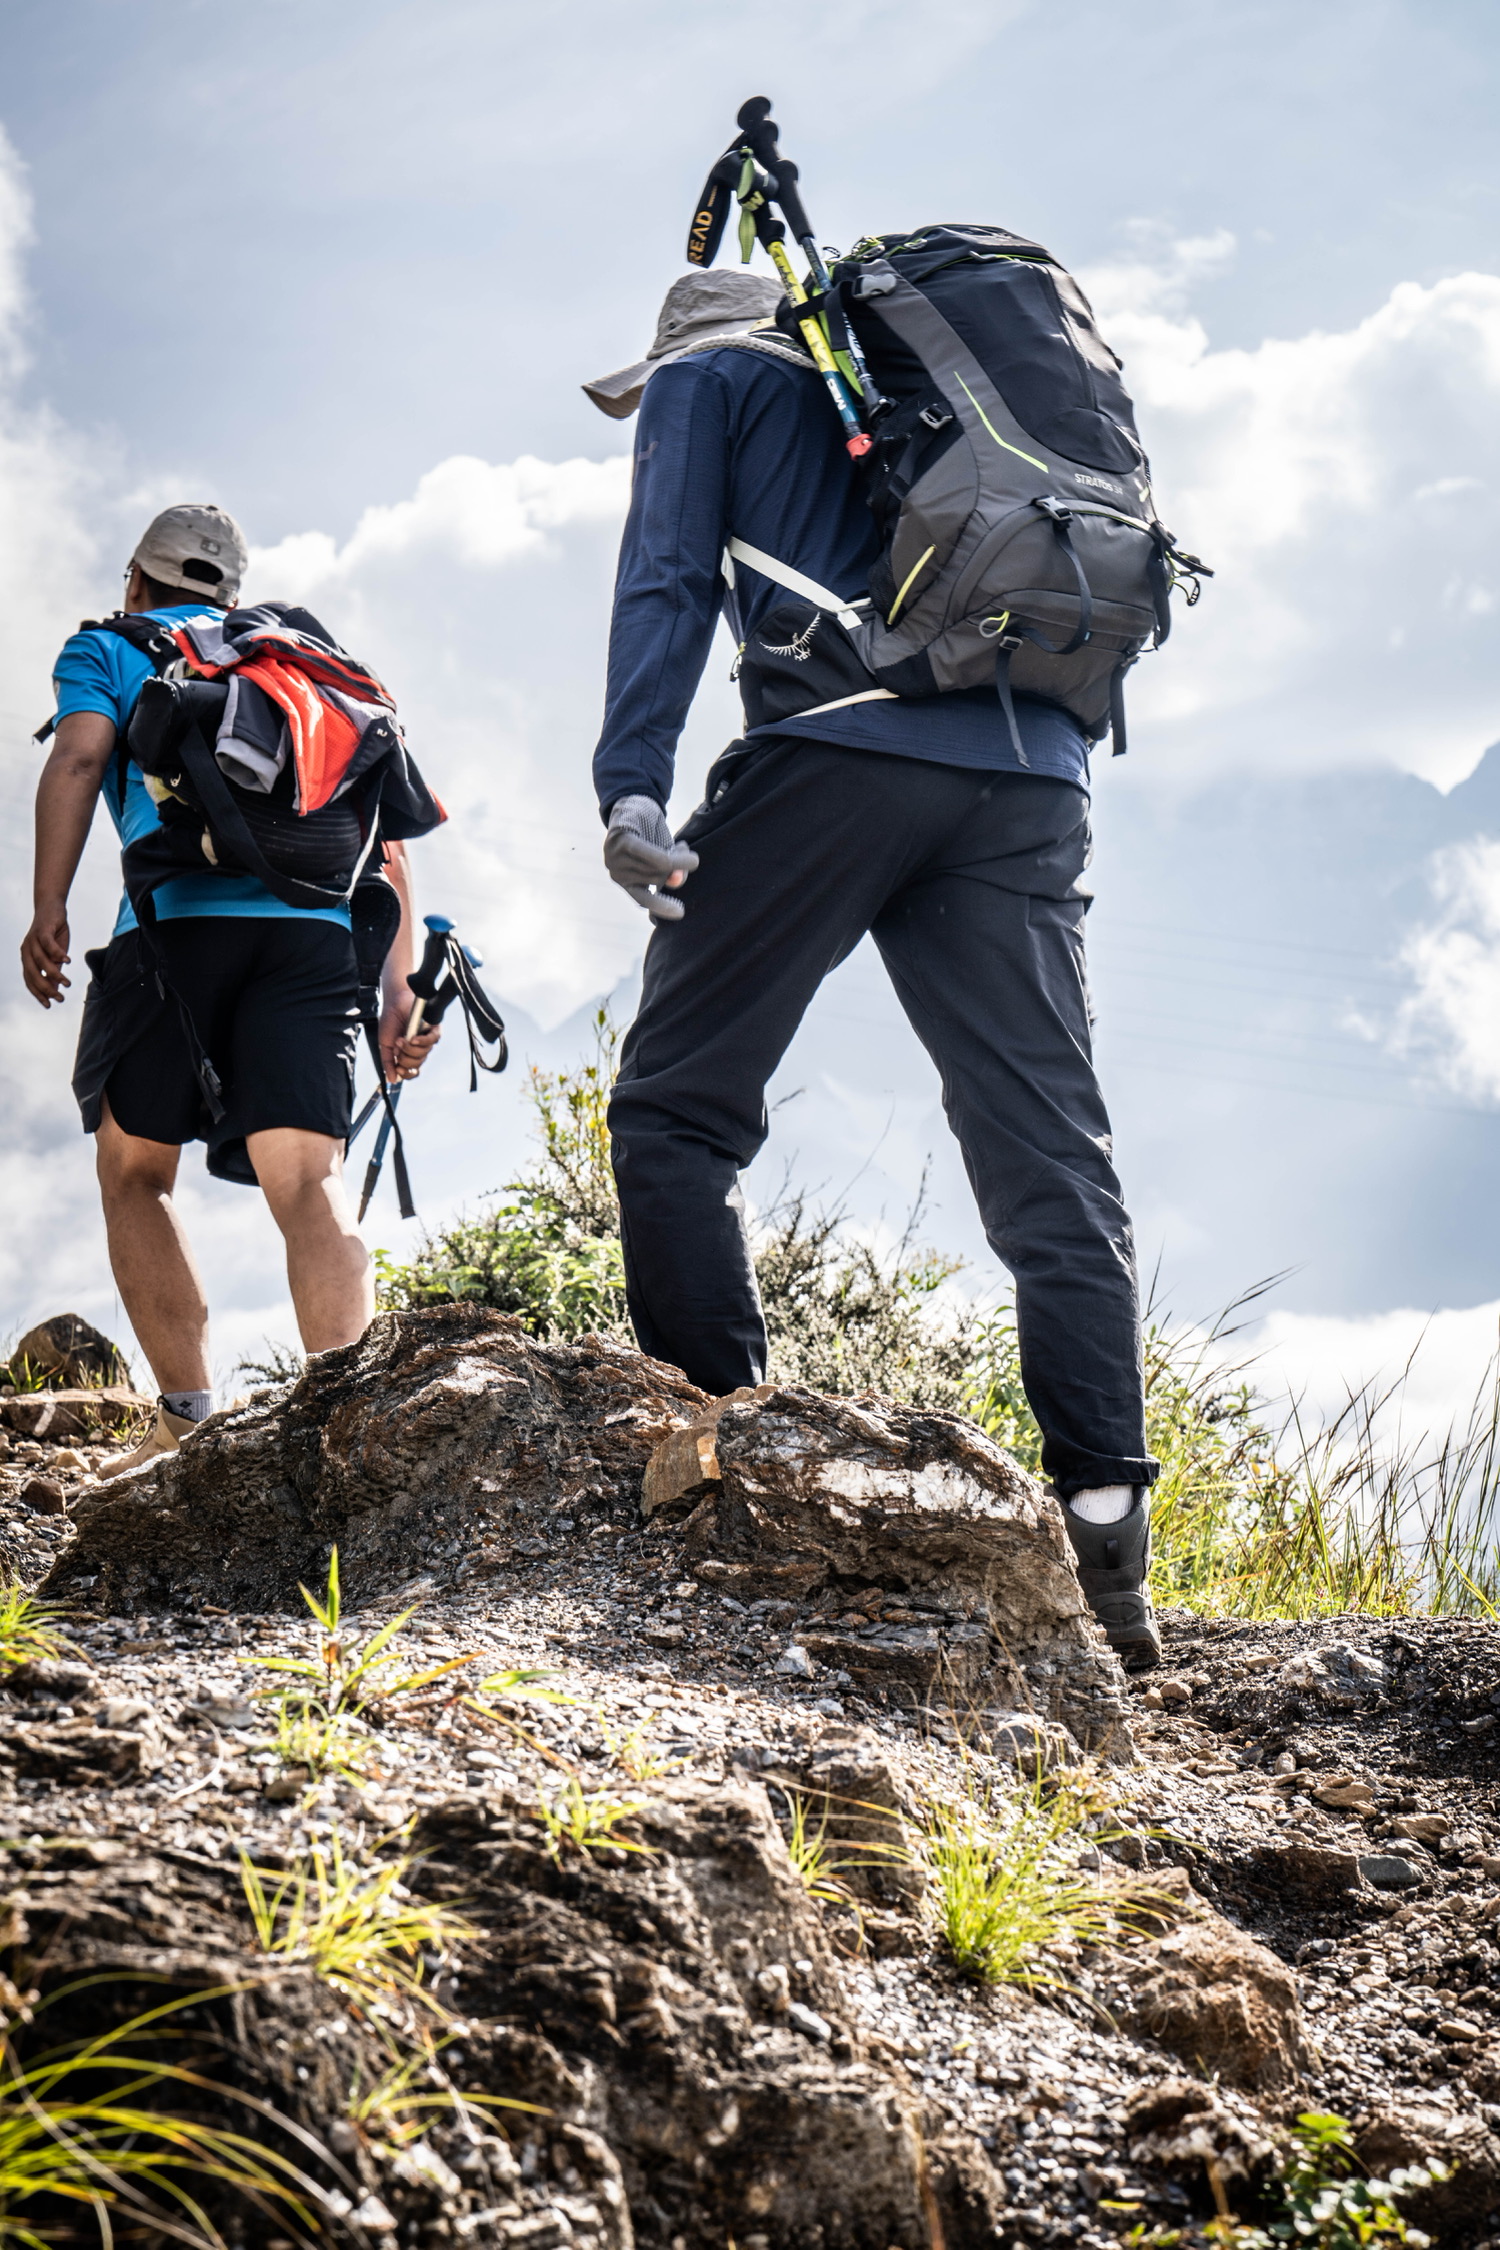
[1020, 542]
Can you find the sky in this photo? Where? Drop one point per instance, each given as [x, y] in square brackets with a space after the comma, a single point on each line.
[344, 267]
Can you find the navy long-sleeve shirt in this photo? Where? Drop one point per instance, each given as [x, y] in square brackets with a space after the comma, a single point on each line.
[737, 444]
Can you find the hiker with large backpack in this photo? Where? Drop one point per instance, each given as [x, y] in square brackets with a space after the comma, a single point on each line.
[936, 592]
[261, 790]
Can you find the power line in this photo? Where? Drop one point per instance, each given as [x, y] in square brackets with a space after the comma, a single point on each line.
[1263, 1085]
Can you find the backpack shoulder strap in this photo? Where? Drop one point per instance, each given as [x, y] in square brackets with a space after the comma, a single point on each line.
[795, 581]
[146, 634]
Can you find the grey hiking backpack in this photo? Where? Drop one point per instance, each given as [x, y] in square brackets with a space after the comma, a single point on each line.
[1020, 543]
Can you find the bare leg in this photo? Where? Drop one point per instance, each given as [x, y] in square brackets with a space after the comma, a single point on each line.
[327, 1265]
[151, 1258]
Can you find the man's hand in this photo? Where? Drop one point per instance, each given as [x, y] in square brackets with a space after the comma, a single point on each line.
[642, 858]
[65, 798]
[44, 954]
[401, 1058]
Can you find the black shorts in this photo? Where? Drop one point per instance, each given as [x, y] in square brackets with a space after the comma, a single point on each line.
[275, 1002]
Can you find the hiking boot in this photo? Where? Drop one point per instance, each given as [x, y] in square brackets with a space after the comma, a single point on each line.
[164, 1436]
[1114, 1564]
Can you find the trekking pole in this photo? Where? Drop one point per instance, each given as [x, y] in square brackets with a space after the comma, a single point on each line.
[761, 133]
[426, 982]
[739, 172]
[444, 974]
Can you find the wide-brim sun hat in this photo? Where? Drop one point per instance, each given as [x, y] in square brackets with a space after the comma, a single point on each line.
[703, 312]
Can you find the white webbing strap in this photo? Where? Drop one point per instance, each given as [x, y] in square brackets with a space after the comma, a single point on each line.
[781, 574]
[869, 695]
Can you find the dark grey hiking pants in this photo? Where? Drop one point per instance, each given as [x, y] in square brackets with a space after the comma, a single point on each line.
[968, 882]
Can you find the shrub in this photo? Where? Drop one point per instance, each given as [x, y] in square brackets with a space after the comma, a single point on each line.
[550, 1251]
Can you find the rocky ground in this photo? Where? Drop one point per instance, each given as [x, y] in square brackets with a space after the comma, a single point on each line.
[847, 1606]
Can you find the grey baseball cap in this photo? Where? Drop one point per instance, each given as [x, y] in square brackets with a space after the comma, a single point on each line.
[195, 546]
[702, 312]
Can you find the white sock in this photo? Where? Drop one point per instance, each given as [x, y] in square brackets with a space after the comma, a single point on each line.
[1103, 1503]
[189, 1406]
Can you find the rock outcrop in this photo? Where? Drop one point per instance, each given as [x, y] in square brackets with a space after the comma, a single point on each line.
[444, 1439]
[435, 1433]
[67, 1350]
[801, 1495]
[62, 1414]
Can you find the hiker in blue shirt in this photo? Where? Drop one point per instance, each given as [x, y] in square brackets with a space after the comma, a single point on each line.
[271, 990]
[958, 846]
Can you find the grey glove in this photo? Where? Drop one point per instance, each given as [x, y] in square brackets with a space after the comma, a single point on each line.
[640, 855]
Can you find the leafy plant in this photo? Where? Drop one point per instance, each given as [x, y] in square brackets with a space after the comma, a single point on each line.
[822, 1857]
[587, 1819]
[25, 1374]
[550, 1252]
[1302, 1520]
[357, 1927]
[839, 1315]
[30, 1630]
[80, 2125]
[521, 1681]
[1009, 1882]
[842, 1317]
[280, 1365]
[1325, 2199]
[522, 1684]
[324, 1709]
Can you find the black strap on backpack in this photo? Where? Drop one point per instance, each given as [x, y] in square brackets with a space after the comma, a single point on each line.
[154, 642]
[1012, 634]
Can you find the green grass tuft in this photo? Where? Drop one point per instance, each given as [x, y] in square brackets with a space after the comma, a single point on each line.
[83, 2125]
[1010, 1881]
[587, 1820]
[357, 1927]
[30, 1630]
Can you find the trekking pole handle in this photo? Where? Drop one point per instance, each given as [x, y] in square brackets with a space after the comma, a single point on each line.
[785, 193]
[425, 979]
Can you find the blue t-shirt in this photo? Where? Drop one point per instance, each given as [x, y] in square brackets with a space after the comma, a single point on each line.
[735, 443]
[101, 672]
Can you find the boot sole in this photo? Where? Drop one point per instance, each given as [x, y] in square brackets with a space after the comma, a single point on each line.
[1138, 1652]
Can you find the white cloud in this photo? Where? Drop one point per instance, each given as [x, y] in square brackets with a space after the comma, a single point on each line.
[1336, 483]
[1430, 1367]
[1451, 1020]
